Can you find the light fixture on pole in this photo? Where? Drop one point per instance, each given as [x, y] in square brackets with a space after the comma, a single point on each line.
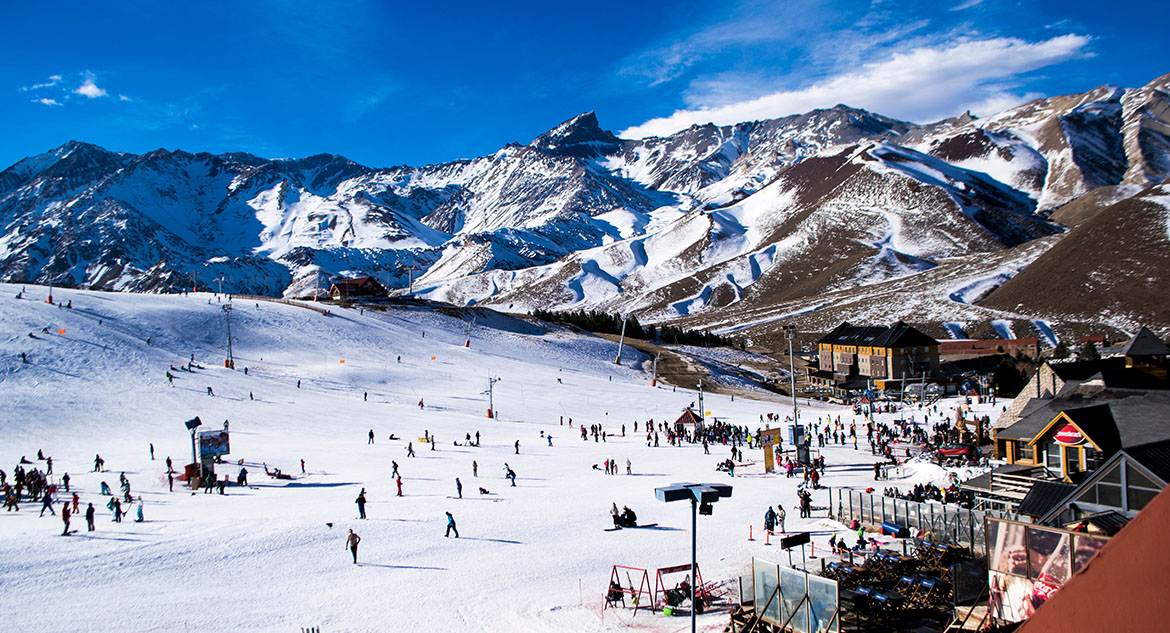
[193, 424]
[701, 497]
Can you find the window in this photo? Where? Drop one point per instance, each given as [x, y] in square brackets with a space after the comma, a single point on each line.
[1109, 495]
[1025, 452]
[1052, 457]
[1072, 459]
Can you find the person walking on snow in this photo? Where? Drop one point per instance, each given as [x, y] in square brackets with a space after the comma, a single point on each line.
[458, 487]
[65, 514]
[517, 447]
[351, 542]
[780, 517]
[361, 504]
[394, 474]
[140, 518]
[398, 481]
[371, 437]
[48, 504]
[89, 512]
[451, 526]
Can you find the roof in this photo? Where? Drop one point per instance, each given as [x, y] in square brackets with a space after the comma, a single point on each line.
[1044, 496]
[1084, 369]
[1146, 343]
[1155, 457]
[1140, 417]
[688, 417]
[897, 335]
[1109, 522]
[1124, 583]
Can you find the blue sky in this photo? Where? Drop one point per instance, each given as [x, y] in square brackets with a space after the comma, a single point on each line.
[389, 83]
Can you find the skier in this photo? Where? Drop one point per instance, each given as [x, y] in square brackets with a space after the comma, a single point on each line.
[351, 542]
[65, 514]
[361, 503]
[398, 481]
[451, 526]
[210, 392]
[48, 504]
[89, 517]
[459, 487]
[517, 447]
[394, 474]
[410, 449]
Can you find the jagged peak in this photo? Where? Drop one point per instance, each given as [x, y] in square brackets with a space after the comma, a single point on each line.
[582, 128]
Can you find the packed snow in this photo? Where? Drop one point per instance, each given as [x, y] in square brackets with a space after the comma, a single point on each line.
[271, 555]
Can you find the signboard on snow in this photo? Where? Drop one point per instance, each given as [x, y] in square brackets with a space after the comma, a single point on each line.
[213, 443]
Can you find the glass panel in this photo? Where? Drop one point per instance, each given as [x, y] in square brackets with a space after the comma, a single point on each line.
[1049, 556]
[1052, 457]
[1008, 554]
[767, 575]
[1138, 498]
[1134, 477]
[1109, 495]
[1089, 496]
[792, 588]
[1087, 547]
[822, 596]
[1114, 475]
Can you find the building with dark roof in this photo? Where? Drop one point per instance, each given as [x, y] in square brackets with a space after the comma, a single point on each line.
[1077, 432]
[356, 288]
[850, 356]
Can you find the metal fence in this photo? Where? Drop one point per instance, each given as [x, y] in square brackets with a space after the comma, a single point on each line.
[947, 523]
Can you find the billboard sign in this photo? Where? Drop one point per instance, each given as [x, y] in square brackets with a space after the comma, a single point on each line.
[213, 443]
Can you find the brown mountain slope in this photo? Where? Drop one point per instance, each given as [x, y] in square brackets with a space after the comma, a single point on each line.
[1116, 263]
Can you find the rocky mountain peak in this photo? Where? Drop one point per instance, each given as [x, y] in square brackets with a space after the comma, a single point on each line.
[579, 130]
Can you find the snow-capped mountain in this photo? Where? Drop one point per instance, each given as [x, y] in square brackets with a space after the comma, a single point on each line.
[707, 222]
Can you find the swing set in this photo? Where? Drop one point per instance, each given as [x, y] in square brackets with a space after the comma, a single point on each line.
[641, 594]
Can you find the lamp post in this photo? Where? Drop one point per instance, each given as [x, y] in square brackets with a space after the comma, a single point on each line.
[192, 424]
[701, 497]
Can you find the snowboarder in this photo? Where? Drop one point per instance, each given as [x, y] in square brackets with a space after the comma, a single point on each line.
[458, 487]
[361, 504]
[451, 526]
[89, 517]
[351, 542]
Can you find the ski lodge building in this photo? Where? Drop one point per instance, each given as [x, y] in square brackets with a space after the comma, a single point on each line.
[850, 357]
[357, 288]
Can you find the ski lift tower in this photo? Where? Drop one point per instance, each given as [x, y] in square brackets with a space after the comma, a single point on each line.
[491, 412]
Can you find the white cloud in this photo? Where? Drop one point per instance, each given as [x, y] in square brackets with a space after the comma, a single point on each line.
[967, 5]
[48, 102]
[920, 84]
[89, 89]
[53, 81]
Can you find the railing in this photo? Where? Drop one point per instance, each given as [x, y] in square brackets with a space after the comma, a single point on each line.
[944, 522]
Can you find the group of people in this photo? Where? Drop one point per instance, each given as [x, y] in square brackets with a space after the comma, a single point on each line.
[34, 484]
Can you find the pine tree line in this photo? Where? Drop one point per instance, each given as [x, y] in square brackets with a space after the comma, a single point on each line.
[606, 323]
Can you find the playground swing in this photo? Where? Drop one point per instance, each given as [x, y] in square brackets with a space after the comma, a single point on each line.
[672, 597]
[641, 595]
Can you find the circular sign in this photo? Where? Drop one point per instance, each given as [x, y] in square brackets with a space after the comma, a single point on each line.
[1068, 435]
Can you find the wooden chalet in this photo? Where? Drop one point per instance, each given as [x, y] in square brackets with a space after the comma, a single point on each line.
[365, 287]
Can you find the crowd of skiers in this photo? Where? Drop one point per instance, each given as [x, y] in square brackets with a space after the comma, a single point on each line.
[37, 485]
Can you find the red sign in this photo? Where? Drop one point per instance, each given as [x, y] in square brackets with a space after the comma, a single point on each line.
[1068, 435]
